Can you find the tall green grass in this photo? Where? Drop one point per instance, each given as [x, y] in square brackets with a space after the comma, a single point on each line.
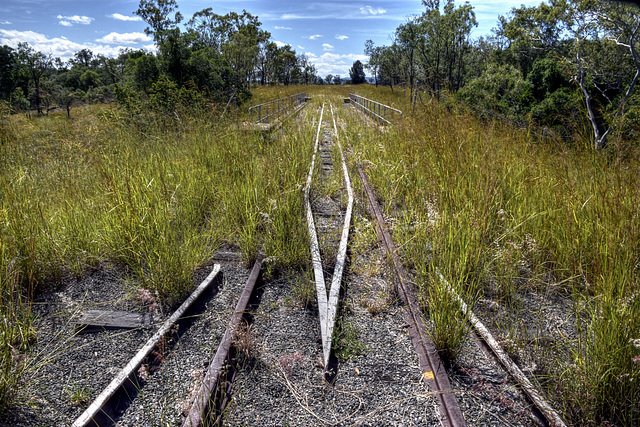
[154, 195]
[496, 210]
[499, 211]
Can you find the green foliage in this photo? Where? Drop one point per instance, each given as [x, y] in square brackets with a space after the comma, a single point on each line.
[163, 95]
[357, 73]
[7, 71]
[547, 76]
[500, 89]
[346, 344]
[502, 215]
[146, 71]
[559, 110]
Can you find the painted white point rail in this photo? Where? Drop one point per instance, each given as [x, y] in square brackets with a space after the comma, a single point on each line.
[327, 307]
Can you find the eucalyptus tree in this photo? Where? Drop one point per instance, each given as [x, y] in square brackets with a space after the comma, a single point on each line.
[384, 63]
[357, 73]
[285, 62]
[238, 38]
[374, 54]
[408, 37]
[444, 42]
[157, 14]
[8, 64]
[606, 59]
[307, 69]
[33, 66]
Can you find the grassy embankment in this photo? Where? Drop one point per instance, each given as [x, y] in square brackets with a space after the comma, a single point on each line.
[497, 211]
[155, 196]
[503, 214]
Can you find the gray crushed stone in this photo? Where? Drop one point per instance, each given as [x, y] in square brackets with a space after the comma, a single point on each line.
[87, 362]
[377, 378]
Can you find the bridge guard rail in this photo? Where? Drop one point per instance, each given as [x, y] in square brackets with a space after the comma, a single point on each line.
[274, 110]
[373, 109]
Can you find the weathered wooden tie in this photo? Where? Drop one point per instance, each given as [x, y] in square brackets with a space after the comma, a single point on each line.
[97, 320]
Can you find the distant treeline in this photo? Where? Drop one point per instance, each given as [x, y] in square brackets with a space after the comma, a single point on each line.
[214, 57]
[569, 66]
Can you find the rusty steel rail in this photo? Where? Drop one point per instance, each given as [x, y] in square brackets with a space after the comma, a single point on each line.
[97, 413]
[273, 110]
[202, 403]
[433, 370]
[372, 108]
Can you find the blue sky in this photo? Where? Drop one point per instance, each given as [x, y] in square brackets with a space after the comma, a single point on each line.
[332, 33]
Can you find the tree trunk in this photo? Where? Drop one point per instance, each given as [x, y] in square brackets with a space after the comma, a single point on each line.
[600, 138]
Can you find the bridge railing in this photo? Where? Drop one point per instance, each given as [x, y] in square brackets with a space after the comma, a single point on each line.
[274, 110]
[373, 109]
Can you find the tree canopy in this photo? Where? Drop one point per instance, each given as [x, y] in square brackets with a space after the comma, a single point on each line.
[357, 73]
[211, 55]
[564, 65]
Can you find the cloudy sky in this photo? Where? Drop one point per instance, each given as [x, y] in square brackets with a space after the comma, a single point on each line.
[332, 33]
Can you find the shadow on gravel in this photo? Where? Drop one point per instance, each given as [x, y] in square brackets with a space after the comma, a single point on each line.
[121, 399]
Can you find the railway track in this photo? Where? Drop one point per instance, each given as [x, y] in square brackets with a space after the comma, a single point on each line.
[356, 353]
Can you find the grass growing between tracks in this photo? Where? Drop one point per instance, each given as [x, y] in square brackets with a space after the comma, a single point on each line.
[496, 211]
[500, 214]
[154, 195]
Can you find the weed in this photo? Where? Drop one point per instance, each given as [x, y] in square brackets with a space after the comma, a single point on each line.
[288, 361]
[304, 290]
[449, 326]
[345, 342]
[77, 395]
[378, 303]
[244, 342]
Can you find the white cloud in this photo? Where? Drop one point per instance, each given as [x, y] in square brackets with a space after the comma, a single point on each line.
[339, 37]
[279, 43]
[68, 21]
[314, 37]
[300, 47]
[124, 38]
[58, 47]
[288, 16]
[3, 22]
[282, 28]
[368, 10]
[327, 46]
[334, 63]
[121, 17]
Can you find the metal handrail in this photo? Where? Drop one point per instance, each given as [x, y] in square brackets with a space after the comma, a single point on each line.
[369, 107]
[274, 109]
